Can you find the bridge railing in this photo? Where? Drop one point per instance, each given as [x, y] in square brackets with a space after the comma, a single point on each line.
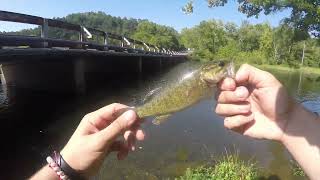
[127, 44]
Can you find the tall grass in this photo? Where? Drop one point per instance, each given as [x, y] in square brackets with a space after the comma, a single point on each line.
[229, 167]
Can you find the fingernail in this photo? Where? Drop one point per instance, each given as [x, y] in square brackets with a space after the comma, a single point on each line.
[130, 116]
[240, 93]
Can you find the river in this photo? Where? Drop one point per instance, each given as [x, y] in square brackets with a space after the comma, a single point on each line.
[34, 124]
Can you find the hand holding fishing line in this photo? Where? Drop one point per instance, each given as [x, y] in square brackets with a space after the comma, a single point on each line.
[257, 105]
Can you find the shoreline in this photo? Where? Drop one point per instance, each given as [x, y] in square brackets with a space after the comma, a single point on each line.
[307, 70]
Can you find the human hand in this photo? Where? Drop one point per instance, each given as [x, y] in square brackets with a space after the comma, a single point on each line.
[255, 104]
[96, 136]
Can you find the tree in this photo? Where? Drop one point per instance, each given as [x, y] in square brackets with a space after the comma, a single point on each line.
[249, 36]
[161, 36]
[266, 41]
[305, 14]
[152, 33]
[206, 39]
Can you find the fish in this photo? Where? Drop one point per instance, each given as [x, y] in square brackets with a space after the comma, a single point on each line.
[186, 90]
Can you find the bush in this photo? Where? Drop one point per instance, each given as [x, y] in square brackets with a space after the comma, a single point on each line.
[229, 167]
[297, 170]
[254, 57]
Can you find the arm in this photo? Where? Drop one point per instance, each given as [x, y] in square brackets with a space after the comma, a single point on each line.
[95, 137]
[302, 139]
[45, 173]
[256, 104]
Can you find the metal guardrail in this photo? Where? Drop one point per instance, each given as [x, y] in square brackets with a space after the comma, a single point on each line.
[127, 44]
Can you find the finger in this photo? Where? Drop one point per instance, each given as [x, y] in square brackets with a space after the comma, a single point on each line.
[237, 122]
[233, 109]
[227, 84]
[123, 153]
[258, 78]
[121, 147]
[117, 127]
[137, 131]
[104, 116]
[240, 94]
[117, 146]
[140, 135]
[129, 136]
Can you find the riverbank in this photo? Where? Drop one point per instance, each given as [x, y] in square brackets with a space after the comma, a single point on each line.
[231, 166]
[307, 70]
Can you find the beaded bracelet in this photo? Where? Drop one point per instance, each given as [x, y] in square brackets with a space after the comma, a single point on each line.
[56, 168]
[62, 168]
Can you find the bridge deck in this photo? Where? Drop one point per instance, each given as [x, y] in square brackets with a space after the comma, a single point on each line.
[10, 54]
[45, 41]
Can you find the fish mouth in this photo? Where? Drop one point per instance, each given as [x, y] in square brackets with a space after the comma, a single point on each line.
[210, 81]
[229, 72]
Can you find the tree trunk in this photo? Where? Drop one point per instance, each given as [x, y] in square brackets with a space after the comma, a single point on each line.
[275, 52]
[302, 58]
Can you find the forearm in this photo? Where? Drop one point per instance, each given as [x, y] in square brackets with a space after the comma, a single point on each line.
[45, 173]
[302, 139]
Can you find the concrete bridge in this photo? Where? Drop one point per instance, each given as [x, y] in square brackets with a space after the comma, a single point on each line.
[47, 64]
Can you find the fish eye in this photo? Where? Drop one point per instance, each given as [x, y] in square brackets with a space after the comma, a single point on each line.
[221, 64]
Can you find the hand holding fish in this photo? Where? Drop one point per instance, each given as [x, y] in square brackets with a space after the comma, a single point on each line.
[95, 137]
[256, 104]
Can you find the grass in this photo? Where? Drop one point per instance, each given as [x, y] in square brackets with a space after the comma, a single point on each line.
[229, 167]
[308, 70]
[297, 170]
[232, 167]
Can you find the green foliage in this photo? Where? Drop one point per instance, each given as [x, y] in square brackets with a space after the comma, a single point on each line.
[198, 173]
[205, 39]
[229, 167]
[144, 30]
[297, 170]
[253, 57]
[305, 15]
[161, 36]
[257, 44]
[230, 51]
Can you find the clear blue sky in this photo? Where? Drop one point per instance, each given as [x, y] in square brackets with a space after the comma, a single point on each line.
[166, 12]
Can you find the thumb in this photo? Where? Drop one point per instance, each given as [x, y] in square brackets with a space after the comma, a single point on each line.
[118, 126]
[258, 78]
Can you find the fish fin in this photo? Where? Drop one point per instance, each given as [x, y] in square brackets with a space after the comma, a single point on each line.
[160, 119]
[150, 94]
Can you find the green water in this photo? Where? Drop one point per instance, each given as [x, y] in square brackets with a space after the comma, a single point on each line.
[193, 137]
[196, 136]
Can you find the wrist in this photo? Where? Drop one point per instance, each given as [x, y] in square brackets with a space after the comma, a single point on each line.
[69, 165]
[297, 122]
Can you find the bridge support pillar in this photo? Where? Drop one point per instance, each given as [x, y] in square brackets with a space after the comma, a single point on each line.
[160, 64]
[2, 77]
[140, 65]
[79, 76]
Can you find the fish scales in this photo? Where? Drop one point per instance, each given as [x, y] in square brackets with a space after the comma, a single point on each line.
[174, 98]
[190, 89]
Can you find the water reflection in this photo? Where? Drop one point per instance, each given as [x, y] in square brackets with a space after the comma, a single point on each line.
[192, 137]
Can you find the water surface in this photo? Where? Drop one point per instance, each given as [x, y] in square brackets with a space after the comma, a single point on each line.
[34, 124]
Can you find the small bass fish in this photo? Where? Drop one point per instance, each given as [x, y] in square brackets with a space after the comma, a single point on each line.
[189, 89]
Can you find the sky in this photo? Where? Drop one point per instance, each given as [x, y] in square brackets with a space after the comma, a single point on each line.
[165, 12]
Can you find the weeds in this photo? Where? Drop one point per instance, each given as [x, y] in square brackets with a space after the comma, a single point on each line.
[229, 167]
